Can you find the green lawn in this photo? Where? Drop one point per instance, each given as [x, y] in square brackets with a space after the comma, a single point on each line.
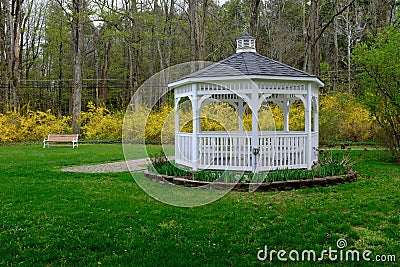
[51, 218]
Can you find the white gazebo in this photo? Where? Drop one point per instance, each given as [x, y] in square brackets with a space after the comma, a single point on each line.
[248, 79]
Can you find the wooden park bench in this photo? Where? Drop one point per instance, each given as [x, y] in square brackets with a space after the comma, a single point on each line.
[61, 138]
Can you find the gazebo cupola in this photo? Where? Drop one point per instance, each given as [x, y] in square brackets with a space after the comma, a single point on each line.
[248, 80]
[246, 43]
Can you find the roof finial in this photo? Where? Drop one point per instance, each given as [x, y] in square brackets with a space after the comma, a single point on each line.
[246, 43]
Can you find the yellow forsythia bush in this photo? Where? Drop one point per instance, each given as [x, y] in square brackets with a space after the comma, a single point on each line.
[213, 117]
[98, 123]
[153, 126]
[270, 118]
[29, 125]
[341, 117]
[134, 124]
[160, 125]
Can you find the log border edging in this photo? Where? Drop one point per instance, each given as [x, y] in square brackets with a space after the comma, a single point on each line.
[260, 187]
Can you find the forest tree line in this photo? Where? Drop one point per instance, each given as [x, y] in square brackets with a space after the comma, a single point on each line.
[68, 46]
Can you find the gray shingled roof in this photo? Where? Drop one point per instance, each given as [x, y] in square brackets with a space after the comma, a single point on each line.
[248, 63]
[246, 35]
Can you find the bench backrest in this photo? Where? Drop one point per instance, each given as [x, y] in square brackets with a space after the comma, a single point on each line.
[62, 137]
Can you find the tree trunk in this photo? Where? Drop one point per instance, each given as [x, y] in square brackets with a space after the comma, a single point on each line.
[104, 72]
[255, 18]
[313, 42]
[305, 36]
[193, 31]
[168, 44]
[202, 32]
[60, 67]
[15, 17]
[77, 39]
[349, 35]
[134, 54]
[336, 45]
[3, 55]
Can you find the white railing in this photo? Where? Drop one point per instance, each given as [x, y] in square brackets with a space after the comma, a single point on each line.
[282, 150]
[183, 149]
[221, 150]
[233, 150]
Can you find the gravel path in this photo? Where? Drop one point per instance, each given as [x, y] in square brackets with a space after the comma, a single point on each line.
[134, 165]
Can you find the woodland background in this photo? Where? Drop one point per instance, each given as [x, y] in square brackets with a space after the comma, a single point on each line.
[64, 63]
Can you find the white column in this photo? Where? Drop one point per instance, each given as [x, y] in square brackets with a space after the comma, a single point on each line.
[316, 125]
[308, 129]
[286, 112]
[254, 128]
[316, 116]
[196, 128]
[240, 113]
[176, 123]
[176, 115]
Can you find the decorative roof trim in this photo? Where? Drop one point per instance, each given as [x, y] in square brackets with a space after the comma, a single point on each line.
[221, 79]
[241, 50]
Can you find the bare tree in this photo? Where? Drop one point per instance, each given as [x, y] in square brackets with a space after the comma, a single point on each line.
[78, 8]
[12, 16]
[202, 31]
[313, 65]
[77, 13]
[255, 18]
[336, 46]
[104, 71]
[198, 27]
[32, 36]
[193, 18]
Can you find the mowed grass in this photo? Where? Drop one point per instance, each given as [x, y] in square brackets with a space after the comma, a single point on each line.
[52, 218]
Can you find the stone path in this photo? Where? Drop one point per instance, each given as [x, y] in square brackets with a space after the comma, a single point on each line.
[134, 165]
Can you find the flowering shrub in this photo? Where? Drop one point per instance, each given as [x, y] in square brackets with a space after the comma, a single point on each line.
[341, 117]
[99, 123]
[29, 125]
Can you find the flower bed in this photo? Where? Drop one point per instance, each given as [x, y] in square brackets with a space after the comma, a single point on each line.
[248, 186]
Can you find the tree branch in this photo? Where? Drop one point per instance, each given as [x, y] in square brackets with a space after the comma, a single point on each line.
[331, 20]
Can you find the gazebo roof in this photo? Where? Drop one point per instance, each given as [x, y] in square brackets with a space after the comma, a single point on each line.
[246, 35]
[248, 63]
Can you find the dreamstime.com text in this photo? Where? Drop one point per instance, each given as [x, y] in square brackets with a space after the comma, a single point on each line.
[330, 254]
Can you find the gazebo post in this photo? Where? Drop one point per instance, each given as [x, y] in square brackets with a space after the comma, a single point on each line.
[240, 113]
[308, 118]
[286, 112]
[254, 130]
[176, 123]
[196, 127]
[316, 116]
